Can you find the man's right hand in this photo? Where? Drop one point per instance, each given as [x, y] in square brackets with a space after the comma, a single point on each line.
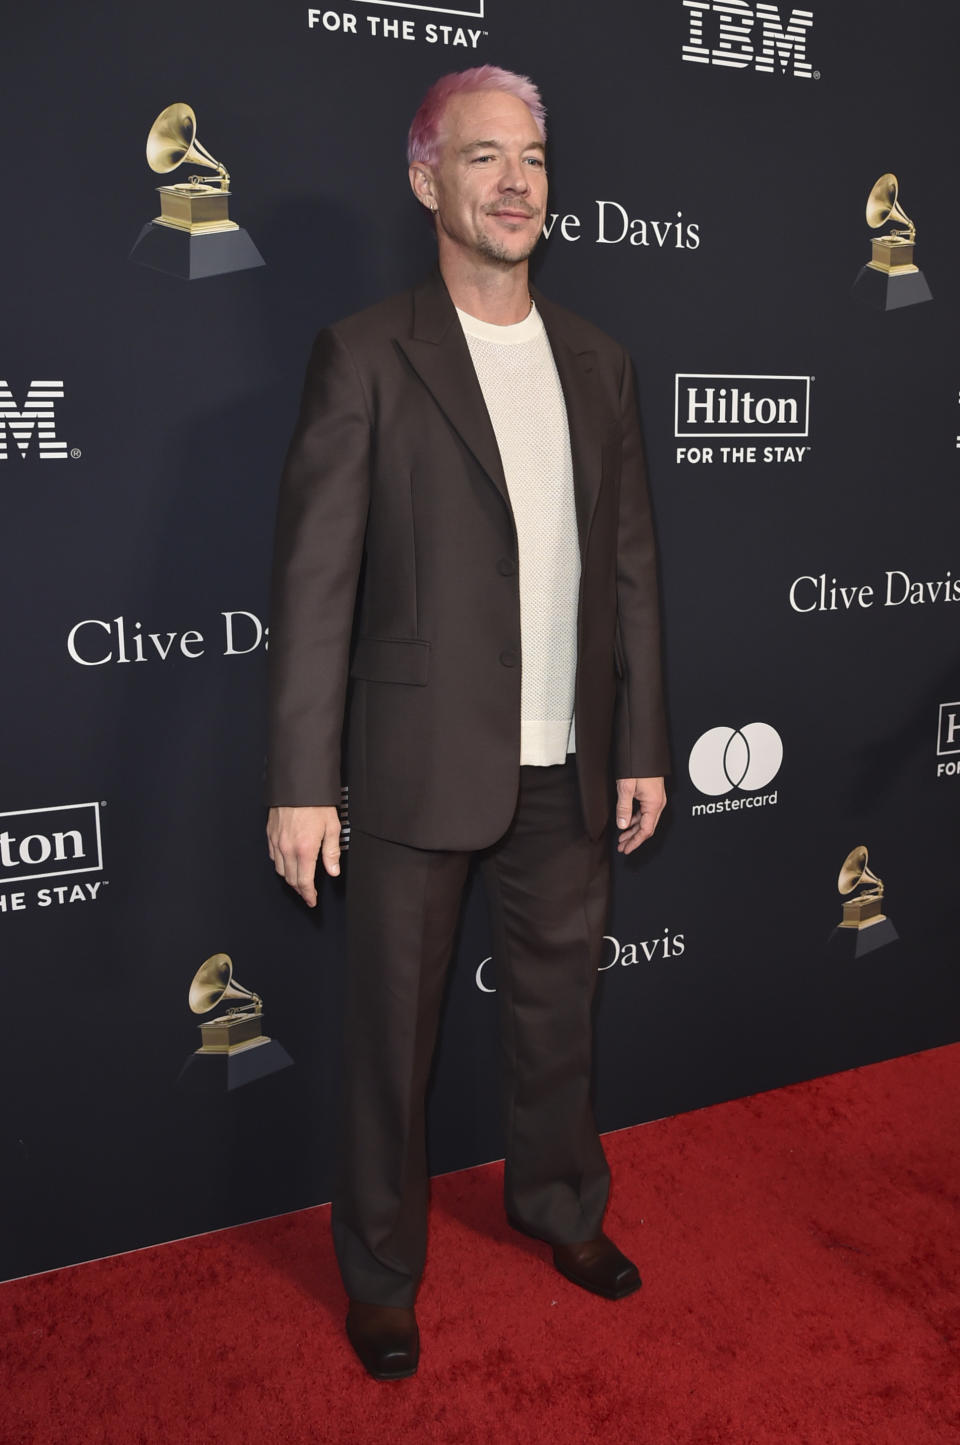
[296, 837]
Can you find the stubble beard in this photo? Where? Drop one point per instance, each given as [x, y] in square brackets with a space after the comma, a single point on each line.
[496, 250]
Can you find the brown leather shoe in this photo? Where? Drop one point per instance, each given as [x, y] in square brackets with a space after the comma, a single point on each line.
[385, 1338]
[597, 1265]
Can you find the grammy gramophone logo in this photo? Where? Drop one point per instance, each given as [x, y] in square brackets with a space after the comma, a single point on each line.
[863, 925]
[891, 278]
[234, 1050]
[193, 236]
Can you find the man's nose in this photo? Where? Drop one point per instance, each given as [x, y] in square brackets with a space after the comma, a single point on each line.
[514, 177]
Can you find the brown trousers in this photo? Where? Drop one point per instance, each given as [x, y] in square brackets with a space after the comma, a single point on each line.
[547, 886]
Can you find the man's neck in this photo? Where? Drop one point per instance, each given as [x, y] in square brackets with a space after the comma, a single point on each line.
[499, 295]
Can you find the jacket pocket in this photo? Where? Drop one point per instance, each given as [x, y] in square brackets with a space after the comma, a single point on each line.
[391, 659]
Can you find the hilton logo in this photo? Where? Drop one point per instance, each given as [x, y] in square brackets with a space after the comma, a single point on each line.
[36, 416]
[745, 37]
[948, 740]
[716, 406]
[405, 27]
[50, 843]
[468, 11]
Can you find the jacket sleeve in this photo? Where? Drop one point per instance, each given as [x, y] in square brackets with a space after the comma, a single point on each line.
[318, 551]
[640, 729]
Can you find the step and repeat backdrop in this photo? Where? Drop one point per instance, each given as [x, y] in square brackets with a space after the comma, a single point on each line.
[757, 199]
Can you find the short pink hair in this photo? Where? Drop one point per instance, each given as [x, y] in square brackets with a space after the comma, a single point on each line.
[423, 141]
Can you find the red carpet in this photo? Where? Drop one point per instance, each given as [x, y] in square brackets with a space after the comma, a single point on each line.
[800, 1252]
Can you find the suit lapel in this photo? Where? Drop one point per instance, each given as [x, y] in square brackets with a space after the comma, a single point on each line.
[438, 352]
[579, 378]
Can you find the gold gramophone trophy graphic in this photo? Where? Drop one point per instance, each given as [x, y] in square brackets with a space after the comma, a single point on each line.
[193, 236]
[891, 278]
[234, 1050]
[863, 926]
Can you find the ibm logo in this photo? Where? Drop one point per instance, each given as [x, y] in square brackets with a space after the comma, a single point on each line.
[775, 49]
[37, 415]
[48, 842]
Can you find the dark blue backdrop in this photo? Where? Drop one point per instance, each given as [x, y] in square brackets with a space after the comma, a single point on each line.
[178, 400]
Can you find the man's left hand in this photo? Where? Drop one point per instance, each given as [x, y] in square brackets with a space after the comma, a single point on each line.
[650, 798]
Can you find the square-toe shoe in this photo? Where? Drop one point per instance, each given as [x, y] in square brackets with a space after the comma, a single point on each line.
[385, 1338]
[599, 1266]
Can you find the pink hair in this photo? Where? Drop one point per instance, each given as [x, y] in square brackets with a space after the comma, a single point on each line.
[423, 142]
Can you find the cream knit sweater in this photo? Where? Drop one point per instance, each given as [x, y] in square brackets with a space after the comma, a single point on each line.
[521, 388]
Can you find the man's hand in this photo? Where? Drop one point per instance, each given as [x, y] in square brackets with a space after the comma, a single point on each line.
[295, 839]
[651, 798]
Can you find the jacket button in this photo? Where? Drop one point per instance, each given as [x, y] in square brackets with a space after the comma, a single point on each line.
[508, 658]
[506, 566]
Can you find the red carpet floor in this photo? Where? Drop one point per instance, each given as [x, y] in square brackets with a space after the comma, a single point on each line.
[801, 1257]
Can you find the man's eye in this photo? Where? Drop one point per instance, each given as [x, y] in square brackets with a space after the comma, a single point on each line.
[478, 159]
[535, 161]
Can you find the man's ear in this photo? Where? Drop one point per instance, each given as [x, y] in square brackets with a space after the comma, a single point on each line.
[421, 180]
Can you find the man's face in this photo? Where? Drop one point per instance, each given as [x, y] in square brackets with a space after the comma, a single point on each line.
[489, 181]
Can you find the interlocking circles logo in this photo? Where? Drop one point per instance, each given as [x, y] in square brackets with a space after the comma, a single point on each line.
[734, 760]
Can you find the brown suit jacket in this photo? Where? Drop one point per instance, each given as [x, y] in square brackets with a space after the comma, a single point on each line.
[393, 501]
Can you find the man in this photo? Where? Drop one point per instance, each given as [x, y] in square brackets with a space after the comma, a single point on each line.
[466, 469]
